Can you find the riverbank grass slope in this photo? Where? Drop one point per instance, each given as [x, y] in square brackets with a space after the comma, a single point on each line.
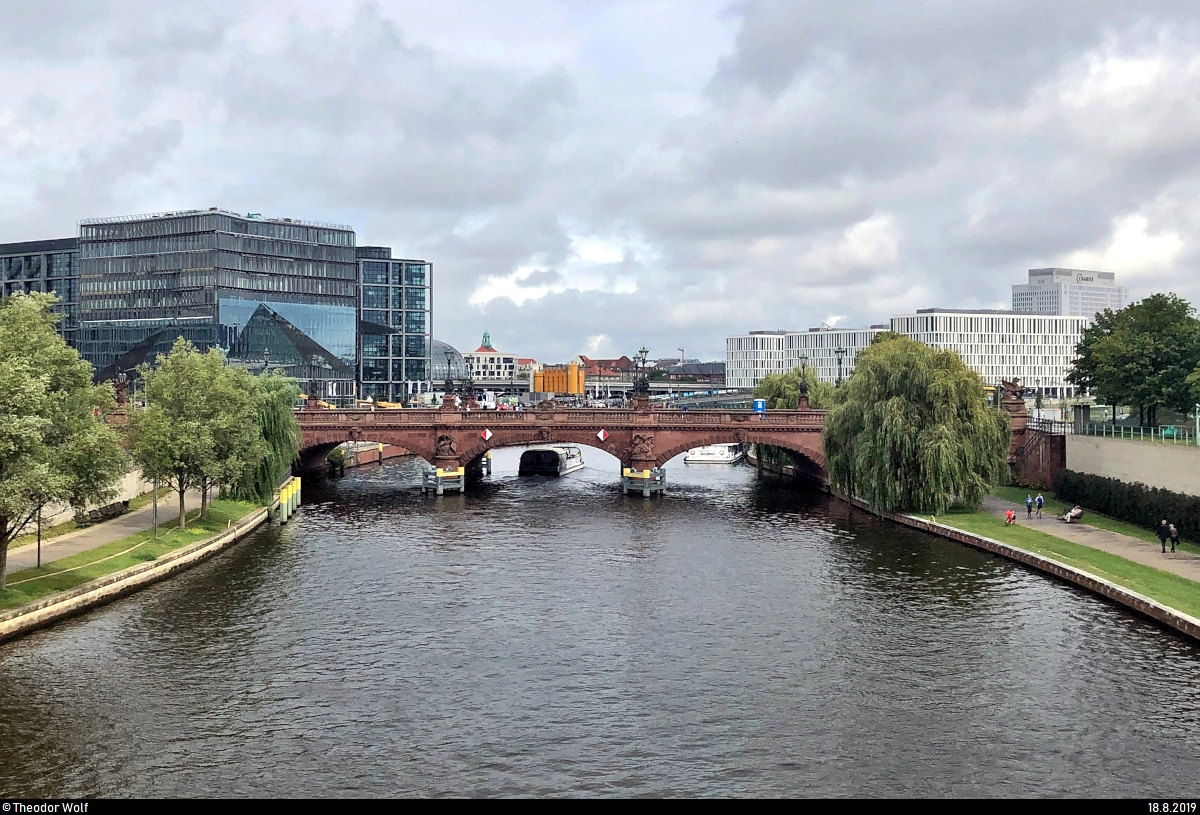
[1168, 589]
[28, 585]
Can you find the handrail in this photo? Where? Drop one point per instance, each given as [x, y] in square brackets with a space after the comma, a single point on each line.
[1164, 434]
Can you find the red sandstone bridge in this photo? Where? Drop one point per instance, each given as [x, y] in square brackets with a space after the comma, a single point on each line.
[641, 438]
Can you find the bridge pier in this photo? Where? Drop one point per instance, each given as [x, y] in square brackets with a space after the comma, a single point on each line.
[647, 481]
[440, 479]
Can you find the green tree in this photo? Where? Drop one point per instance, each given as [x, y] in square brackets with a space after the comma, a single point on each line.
[199, 428]
[782, 391]
[912, 431]
[54, 443]
[1141, 355]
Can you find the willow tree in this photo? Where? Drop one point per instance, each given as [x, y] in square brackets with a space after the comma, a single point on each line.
[782, 391]
[912, 431]
[276, 422]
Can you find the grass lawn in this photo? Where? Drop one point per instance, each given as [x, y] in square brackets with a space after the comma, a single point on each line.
[1168, 589]
[121, 554]
[63, 528]
[1090, 516]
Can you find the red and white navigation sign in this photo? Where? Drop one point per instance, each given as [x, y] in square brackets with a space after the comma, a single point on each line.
[486, 434]
[602, 435]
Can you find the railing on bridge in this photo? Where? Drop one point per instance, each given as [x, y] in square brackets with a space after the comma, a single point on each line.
[565, 416]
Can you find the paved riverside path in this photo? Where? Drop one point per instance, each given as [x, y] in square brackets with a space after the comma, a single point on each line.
[90, 537]
[1146, 553]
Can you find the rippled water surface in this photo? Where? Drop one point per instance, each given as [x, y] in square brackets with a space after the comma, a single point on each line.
[553, 637]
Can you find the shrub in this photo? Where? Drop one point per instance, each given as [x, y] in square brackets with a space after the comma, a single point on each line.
[1135, 503]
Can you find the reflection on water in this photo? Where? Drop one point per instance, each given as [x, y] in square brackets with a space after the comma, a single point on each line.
[542, 636]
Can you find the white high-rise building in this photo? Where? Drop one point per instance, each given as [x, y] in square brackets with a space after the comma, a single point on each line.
[1069, 292]
[1035, 349]
[750, 357]
[821, 349]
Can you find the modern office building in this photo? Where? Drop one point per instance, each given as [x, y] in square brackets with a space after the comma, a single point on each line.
[395, 311]
[1069, 292]
[750, 357]
[829, 353]
[1035, 349]
[45, 266]
[274, 293]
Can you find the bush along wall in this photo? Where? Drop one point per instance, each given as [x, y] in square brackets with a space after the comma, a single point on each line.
[1135, 503]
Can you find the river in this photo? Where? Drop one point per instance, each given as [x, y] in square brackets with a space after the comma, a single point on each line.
[543, 637]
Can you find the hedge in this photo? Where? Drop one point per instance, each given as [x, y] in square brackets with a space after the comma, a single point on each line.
[1135, 503]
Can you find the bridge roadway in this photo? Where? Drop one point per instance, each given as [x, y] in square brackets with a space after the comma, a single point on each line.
[641, 437]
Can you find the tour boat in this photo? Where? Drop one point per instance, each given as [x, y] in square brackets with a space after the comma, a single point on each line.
[556, 460]
[715, 454]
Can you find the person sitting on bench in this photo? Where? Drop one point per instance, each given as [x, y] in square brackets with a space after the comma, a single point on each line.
[1074, 515]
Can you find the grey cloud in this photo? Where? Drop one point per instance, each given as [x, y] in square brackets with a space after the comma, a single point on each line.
[542, 277]
[856, 159]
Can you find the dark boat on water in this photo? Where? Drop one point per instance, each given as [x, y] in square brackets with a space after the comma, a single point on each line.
[557, 460]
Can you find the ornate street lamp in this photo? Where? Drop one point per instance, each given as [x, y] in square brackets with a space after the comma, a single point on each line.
[803, 381]
[449, 371]
[841, 352]
[641, 383]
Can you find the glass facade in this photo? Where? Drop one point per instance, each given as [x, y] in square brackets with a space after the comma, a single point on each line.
[395, 325]
[275, 293]
[45, 266]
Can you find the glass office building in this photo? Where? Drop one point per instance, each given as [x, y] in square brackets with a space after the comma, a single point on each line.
[45, 266]
[395, 311]
[273, 293]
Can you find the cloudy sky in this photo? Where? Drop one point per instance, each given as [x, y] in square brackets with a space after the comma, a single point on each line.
[589, 177]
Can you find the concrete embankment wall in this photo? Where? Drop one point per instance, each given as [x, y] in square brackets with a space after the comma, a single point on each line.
[132, 485]
[1169, 466]
[51, 609]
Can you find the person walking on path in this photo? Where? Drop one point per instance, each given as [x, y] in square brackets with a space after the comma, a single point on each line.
[1040, 501]
[1028, 505]
[1164, 533]
[1174, 536]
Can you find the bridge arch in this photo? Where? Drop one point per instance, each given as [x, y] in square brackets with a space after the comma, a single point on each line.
[557, 436]
[809, 452]
[318, 443]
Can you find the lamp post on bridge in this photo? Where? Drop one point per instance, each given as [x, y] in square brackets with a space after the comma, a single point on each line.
[841, 352]
[803, 403]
